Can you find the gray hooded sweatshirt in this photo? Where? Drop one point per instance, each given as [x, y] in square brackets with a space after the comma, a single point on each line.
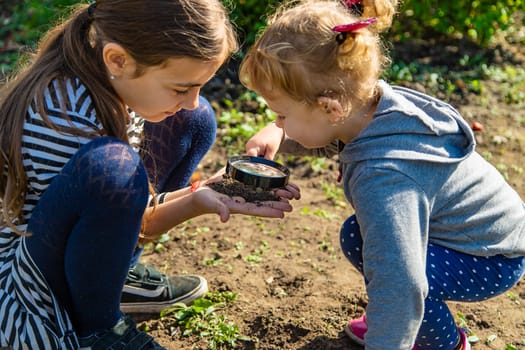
[413, 178]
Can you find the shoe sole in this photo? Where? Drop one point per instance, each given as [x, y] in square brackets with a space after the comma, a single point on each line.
[353, 337]
[154, 307]
[356, 339]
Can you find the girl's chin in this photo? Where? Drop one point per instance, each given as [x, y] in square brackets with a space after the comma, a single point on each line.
[155, 118]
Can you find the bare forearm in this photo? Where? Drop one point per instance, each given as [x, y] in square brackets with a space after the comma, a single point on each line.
[188, 203]
[177, 208]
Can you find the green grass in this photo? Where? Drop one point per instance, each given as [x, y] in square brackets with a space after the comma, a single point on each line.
[204, 320]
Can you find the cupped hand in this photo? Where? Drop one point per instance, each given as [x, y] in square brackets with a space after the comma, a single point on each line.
[270, 209]
[210, 201]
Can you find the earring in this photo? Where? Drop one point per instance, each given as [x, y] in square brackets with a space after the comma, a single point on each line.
[112, 77]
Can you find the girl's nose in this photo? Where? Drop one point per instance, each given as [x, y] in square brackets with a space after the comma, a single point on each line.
[192, 100]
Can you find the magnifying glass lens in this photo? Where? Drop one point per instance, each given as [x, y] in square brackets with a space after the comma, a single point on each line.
[257, 172]
[258, 169]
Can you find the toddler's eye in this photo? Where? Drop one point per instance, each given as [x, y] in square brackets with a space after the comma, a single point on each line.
[281, 117]
[180, 92]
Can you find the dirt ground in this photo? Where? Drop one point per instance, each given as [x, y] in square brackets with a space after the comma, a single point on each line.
[301, 291]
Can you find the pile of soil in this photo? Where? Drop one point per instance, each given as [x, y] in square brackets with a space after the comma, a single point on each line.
[234, 188]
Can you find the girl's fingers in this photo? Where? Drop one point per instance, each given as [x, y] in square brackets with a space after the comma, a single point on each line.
[290, 191]
[273, 209]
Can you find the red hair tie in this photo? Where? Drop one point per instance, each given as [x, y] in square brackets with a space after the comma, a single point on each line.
[343, 29]
[351, 3]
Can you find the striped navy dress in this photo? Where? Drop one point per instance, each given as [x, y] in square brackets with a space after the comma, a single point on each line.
[30, 316]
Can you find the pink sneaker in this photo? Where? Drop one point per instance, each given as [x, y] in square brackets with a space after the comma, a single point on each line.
[465, 345]
[357, 328]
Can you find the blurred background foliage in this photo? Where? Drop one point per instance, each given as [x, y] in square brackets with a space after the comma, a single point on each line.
[23, 21]
[478, 20]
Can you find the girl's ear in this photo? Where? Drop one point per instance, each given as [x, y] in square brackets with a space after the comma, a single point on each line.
[332, 107]
[117, 59]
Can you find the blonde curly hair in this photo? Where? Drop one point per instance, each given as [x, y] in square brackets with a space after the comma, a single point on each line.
[298, 54]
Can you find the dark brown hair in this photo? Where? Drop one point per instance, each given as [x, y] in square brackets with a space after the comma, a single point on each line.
[151, 31]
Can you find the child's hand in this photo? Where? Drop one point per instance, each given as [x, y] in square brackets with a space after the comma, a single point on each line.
[266, 142]
[210, 201]
[290, 191]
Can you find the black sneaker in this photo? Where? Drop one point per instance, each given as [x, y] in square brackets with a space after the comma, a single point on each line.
[148, 291]
[123, 336]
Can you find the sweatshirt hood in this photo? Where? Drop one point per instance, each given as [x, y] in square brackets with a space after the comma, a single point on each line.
[413, 126]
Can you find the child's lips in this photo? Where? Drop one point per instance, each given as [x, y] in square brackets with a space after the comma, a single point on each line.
[172, 113]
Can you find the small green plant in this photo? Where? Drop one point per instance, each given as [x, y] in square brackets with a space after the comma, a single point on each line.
[325, 214]
[514, 298]
[256, 255]
[202, 320]
[327, 247]
[239, 246]
[334, 193]
[164, 238]
[212, 261]
[463, 323]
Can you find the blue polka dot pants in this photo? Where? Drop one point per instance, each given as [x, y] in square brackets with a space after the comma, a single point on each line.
[451, 276]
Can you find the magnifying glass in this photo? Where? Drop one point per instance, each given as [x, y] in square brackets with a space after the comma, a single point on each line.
[257, 172]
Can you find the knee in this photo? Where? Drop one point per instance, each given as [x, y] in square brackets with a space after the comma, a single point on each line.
[113, 170]
[350, 235]
[351, 241]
